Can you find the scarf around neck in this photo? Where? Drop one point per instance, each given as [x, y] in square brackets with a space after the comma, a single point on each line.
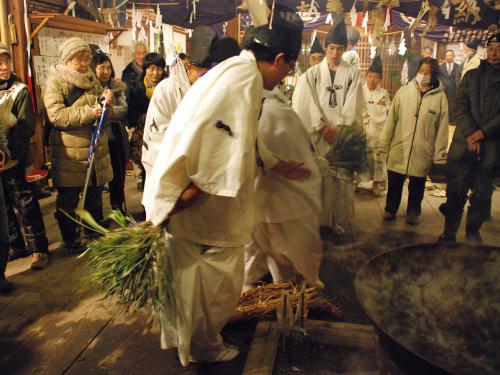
[84, 81]
[150, 88]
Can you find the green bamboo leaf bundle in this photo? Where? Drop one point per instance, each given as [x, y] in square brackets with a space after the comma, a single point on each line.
[129, 262]
[349, 151]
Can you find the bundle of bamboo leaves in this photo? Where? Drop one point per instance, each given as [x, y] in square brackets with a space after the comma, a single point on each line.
[125, 262]
[262, 301]
[350, 150]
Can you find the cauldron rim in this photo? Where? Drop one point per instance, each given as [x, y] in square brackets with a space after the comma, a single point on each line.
[429, 246]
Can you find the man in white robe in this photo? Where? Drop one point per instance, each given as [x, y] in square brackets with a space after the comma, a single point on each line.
[328, 96]
[376, 109]
[286, 237]
[206, 51]
[209, 151]
[316, 53]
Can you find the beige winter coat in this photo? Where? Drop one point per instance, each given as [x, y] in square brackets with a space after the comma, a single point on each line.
[70, 138]
[416, 131]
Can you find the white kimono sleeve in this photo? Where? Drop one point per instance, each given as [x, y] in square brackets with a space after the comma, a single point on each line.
[305, 102]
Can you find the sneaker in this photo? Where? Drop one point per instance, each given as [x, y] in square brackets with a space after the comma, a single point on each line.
[40, 261]
[389, 216]
[226, 355]
[473, 238]
[378, 190]
[5, 286]
[412, 219]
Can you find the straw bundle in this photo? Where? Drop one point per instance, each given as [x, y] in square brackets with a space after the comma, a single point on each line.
[350, 150]
[124, 262]
[262, 301]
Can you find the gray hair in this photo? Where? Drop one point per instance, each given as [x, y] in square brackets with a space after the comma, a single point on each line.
[137, 44]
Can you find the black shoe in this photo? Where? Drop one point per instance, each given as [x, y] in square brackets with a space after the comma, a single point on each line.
[473, 238]
[75, 247]
[5, 286]
[446, 238]
[16, 254]
[412, 219]
[442, 208]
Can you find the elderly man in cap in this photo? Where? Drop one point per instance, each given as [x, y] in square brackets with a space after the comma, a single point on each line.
[206, 50]
[202, 191]
[328, 97]
[71, 103]
[474, 157]
[18, 124]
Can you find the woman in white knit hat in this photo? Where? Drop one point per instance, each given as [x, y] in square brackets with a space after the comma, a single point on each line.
[71, 103]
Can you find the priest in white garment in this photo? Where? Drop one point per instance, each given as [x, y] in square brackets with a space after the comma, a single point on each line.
[205, 174]
[327, 97]
[351, 56]
[317, 53]
[375, 111]
[286, 238]
[206, 51]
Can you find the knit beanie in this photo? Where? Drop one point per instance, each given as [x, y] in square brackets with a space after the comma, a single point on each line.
[71, 47]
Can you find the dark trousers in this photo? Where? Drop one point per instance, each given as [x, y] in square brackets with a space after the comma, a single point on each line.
[67, 200]
[117, 184]
[416, 189]
[4, 235]
[466, 175]
[18, 195]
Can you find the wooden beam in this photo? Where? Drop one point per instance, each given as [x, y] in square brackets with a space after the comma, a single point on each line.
[64, 22]
[40, 26]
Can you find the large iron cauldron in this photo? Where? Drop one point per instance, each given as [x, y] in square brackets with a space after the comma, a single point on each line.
[436, 309]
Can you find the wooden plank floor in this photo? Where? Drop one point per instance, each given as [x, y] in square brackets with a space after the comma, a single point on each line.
[56, 323]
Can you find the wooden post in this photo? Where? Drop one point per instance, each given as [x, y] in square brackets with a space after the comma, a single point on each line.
[19, 54]
[20, 62]
[4, 31]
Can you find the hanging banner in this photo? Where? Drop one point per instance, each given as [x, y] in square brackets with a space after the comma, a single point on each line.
[442, 34]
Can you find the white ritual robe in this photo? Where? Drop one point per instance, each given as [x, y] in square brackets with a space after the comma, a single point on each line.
[210, 142]
[311, 101]
[286, 234]
[166, 98]
[376, 109]
[351, 57]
